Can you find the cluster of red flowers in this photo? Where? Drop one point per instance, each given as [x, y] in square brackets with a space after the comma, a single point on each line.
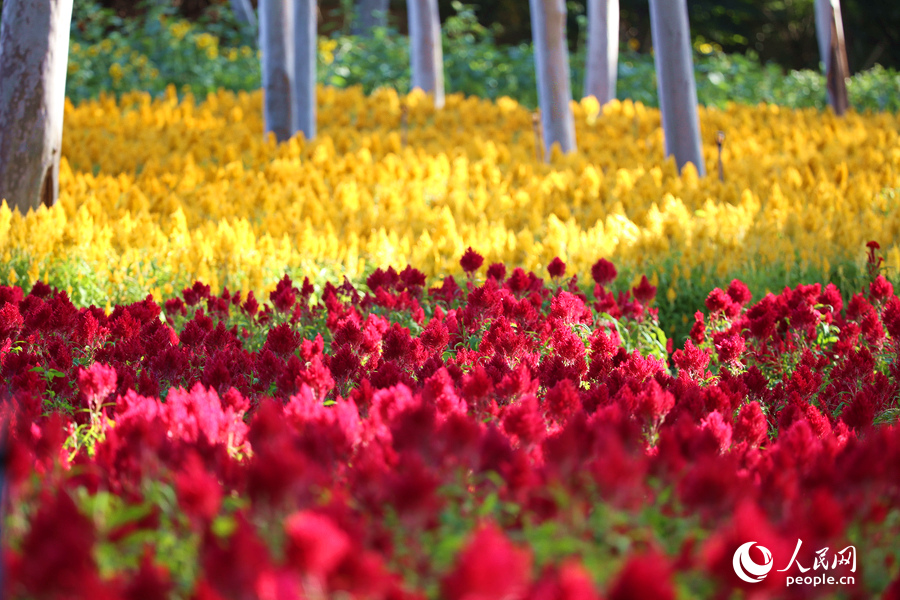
[405, 442]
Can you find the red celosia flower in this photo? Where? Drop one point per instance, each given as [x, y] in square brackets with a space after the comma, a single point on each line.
[471, 261]
[489, 567]
[751, 426]
[891, 317]
[413, 279]
[556, 268]
[524, 421]
[643, 576]
[234, 565]
[739, 292]
[58, 551]
[719, 428]
[151, 582]
[717, 301]
[692, 359]
[603, 272]
[315, 545]
[282, 340]
[196, 294]
[730, 348]
[496, 271]
[698, 329]
[570, 582]
[97, 382]
[199, 492]
[644, 292]
[562, 401]
[569, 309]
[11, 321]
[880, 289]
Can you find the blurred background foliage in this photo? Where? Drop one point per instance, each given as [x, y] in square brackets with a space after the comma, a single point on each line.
[747, 51]
[780, 31]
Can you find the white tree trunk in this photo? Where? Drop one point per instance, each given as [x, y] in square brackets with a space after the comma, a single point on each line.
[671, 35]
[243, 12]
[425, 53]
[34, 53]
[551, 63]
[304, 90]
[830, 33]
[603, 50]
[276, 34]
[369, 15]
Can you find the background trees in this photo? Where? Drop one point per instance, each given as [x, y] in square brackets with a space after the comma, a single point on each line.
[34, 50]
[425, 52]
[551, 62]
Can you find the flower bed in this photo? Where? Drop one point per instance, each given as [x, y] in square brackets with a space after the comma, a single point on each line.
[505, 437]
[156, 194]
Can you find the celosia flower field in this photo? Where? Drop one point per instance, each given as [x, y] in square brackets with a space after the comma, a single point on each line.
[158, 193]
[508, 436]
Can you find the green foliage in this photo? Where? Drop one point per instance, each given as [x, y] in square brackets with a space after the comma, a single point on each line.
[112, 55]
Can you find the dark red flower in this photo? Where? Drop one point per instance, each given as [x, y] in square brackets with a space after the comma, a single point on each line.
[284, 295]
[891, 317]
[282, 340]
[644, 292]
[880, 289]
[151, 582]
[11, 321]
[717, 301]
[698, 329]
[97, 382]
[739, 292]
[556, 268]
[199, 492]
[730, 348]
[603, 272]
[471, 261]
[570, 582]
[195, 294]
[58, 551]
[751, 426]
[489, 567]
[497, 271]
[646, 576]
[315, 545]
[692, 360]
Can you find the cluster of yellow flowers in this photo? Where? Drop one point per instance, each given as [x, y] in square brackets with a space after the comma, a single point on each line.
[167, 191]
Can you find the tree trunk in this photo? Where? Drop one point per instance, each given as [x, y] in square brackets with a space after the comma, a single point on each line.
[369, 15]
[603, 50]
[34, 52]
[304, 90]
[675, 76]
[830, 32]
[425, 53]
[276, 34]
[551, 62]
[243, 12]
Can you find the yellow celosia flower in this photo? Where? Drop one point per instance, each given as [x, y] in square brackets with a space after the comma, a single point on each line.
[161, 192]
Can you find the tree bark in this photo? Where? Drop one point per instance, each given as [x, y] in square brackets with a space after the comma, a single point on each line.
[832, 49]
[276, 42]
[603, 50]
[551, 62]
[34, 52]
[671, 34]
[369, 15]
[304, 90]
[425, 53]
[243, 12]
